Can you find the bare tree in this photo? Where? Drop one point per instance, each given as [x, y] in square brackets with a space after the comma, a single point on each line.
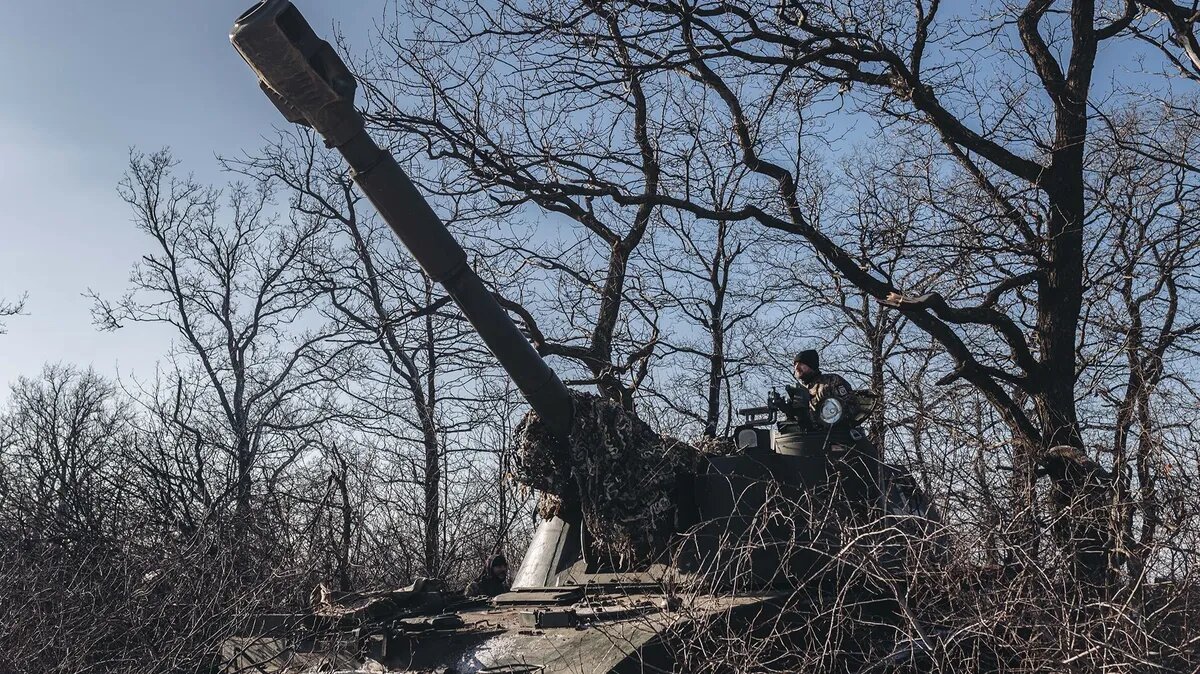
[62, 443]
[878, 222]
[419, 347]
[92, 581]
[504, 155]
[724, 313]
[1009, 159]
[1038, 195]
[9, 308]
[231, 284]
[180, 475]
[1146, 326]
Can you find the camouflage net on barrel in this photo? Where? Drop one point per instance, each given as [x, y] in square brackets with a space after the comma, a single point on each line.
[620, 472]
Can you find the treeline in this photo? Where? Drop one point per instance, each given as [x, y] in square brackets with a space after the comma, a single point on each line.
[671, 200]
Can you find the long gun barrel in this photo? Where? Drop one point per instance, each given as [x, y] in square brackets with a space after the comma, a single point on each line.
[306, 79]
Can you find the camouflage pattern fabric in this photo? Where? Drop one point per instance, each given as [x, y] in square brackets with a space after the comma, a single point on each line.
[826, 386]
[620, 472]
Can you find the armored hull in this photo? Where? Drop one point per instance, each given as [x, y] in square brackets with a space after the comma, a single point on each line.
[762, 556]
[592, 631]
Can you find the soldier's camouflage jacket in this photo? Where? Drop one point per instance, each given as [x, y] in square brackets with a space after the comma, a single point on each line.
[826, 386]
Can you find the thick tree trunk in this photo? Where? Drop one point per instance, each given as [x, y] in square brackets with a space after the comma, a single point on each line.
[1060, 291]
[242, 509]
[875, 334]
[716, 366]
[716, 362]
[243, 512]
[1147, 442]
[601, 363]
[1060, 300]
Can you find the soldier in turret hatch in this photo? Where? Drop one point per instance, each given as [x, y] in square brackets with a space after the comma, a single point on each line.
[820, 386]
[493, 580]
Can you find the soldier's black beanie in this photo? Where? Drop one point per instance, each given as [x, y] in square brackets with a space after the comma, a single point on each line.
[809, 357]
[498, 560]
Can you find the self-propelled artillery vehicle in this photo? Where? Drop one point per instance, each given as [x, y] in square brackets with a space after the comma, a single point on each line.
[746, 535]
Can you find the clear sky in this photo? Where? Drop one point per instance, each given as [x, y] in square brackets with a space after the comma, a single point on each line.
[86, 80]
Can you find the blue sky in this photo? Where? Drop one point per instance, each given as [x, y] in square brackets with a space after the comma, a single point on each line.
[85, 81]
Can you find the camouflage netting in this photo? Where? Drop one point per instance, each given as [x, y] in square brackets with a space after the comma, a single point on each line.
[620, 472]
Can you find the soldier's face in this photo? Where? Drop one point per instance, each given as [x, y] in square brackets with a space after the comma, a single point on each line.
[801, 370]
[500, 571]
